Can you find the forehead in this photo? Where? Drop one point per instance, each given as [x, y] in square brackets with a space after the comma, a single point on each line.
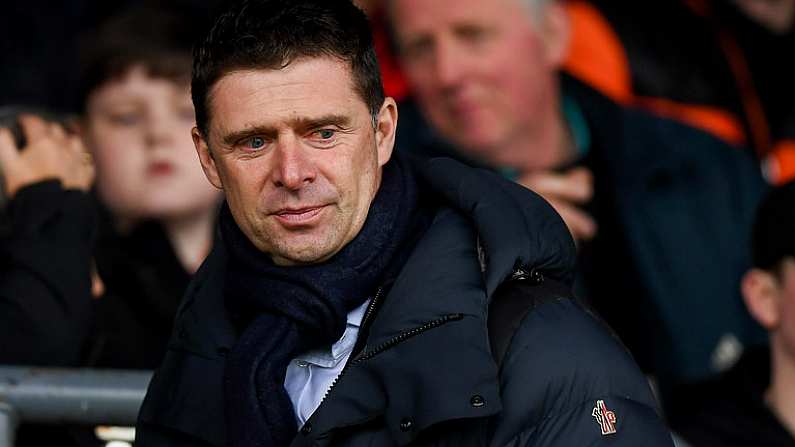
[137, 83]
[306, 87]
[427, 15]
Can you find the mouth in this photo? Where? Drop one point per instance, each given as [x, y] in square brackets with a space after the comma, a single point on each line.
[295, 217]
[465, 107]
[160, 168]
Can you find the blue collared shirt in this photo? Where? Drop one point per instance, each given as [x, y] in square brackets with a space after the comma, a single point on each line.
[310, 375]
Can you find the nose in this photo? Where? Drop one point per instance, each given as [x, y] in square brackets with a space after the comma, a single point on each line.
[160, 130]
[449, 66]
[292, 169]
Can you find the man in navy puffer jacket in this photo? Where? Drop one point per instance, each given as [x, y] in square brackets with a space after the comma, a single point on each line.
[347, 301]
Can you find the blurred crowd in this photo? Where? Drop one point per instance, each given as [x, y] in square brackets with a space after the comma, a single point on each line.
[662, 131]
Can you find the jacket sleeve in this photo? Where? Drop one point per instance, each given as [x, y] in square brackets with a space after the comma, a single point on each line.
[622, 422]
[45, 283]
[566, 380]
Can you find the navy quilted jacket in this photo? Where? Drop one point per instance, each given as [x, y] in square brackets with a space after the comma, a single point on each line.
[426, 375]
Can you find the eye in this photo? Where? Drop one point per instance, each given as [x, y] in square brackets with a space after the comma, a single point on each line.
[125, 119]
[255, 143]
[325, 134]
[322, 138]
[418, 48]
[472, 34]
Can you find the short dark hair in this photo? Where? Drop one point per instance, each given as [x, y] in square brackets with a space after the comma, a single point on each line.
[773, 237]
[270, 34]
[158, 38]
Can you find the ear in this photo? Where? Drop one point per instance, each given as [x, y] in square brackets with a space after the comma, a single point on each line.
[206, 158]
[555, 32]
[385, 130]
[760, 290]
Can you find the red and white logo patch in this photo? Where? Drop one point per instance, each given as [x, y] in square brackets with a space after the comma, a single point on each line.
[605, 418]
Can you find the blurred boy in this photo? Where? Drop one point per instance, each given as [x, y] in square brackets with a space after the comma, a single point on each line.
[754, 404]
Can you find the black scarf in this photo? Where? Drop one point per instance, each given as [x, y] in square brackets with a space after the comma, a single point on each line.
[285, 311]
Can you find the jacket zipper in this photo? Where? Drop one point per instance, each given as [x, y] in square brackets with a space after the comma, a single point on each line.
[405, 335]
[392, 342]
[371, 307]
[365, 320]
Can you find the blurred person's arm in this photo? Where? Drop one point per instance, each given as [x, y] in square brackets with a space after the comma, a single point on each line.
[567, 192]
[45, 247]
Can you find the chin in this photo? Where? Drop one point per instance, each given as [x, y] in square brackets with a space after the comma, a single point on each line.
[293, 259]
[306, 255]
[479, 149]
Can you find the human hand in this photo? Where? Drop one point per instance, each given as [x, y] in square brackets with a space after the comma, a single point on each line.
[566, 192]
[50, 154]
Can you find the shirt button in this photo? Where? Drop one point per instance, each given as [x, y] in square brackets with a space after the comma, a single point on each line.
[302, 364]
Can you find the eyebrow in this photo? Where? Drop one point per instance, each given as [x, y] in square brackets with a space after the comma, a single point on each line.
[302, 124]
[235, 137]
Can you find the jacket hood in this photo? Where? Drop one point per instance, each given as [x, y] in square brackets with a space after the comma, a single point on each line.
[516, 227]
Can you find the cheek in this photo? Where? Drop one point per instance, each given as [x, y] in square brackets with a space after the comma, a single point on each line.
[242, 185]
[788, 307]
[365, 172]
[354, 179]
[118, 158]
[185, 152]
[787, 316]
[420, 77]
[183, 135]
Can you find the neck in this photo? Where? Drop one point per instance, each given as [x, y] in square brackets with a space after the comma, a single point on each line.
[780, 395]
[546, 144]
[191, 237]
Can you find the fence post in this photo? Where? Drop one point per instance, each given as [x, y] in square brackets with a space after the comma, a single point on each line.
[8, 425]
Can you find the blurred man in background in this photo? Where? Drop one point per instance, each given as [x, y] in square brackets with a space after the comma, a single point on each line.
[657, 207]
[485, 75]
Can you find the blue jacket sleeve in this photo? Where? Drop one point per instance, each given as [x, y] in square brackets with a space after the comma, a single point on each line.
[566, 381]
[606, 421]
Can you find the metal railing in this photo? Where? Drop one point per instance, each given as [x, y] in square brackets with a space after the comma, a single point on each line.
[81, 396]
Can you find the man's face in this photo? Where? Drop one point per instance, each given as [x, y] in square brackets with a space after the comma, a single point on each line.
[138, 129]
[482, 70]
[296, 153]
